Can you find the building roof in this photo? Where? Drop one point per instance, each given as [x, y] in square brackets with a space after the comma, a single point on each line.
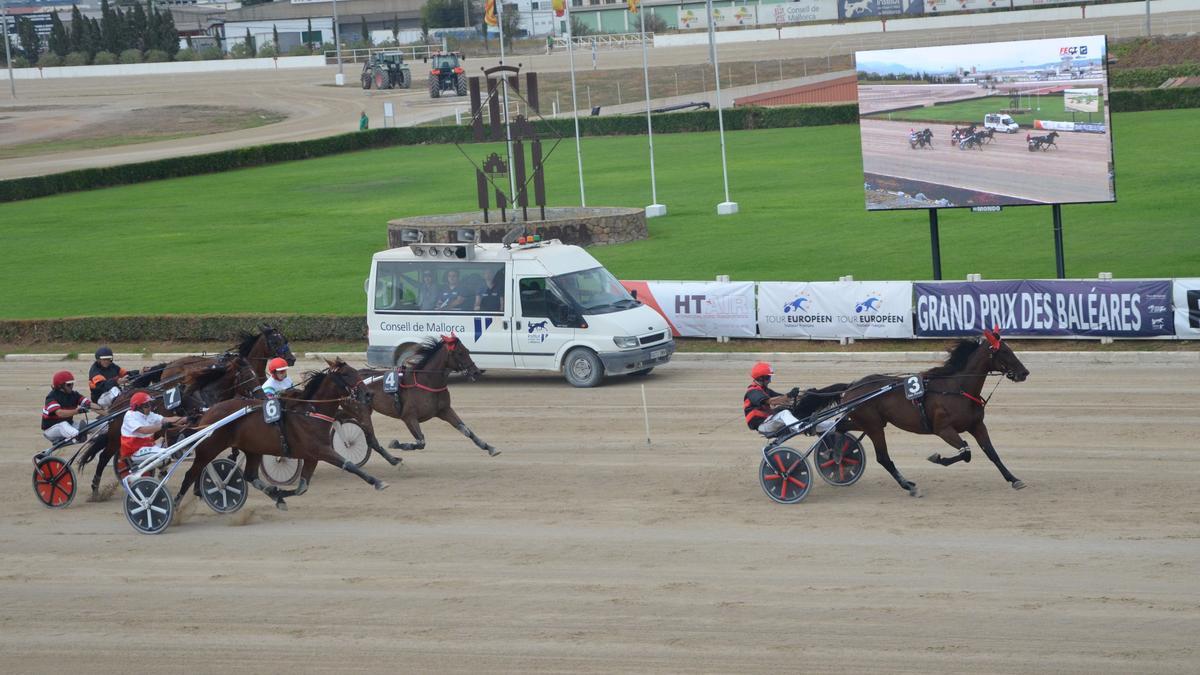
[405, 9]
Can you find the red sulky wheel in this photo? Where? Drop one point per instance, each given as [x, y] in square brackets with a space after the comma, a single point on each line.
[54, 482]
[840, 459]
[784, 476]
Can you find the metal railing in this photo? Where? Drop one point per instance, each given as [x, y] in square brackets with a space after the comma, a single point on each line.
[606, 41]
[411, 53]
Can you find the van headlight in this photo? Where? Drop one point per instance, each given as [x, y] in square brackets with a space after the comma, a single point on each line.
[626, 342]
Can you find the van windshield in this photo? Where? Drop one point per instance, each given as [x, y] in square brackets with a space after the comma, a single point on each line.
[595, 291]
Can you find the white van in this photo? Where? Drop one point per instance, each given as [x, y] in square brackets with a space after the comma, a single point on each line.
[532, 306]
[1000, 122]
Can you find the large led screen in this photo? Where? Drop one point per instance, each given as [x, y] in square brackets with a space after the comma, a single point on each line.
[992, 124]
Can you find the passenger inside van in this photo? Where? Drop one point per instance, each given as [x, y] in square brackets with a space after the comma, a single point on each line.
[491, 297]
[455, 297]
[429, 293]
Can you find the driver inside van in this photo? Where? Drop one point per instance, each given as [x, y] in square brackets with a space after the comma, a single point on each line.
[455, 296]
[428, 293]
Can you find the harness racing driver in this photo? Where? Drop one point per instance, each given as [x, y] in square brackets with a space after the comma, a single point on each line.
[138, 430]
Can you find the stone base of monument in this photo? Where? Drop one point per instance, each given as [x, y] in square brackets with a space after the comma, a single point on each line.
[581, 226]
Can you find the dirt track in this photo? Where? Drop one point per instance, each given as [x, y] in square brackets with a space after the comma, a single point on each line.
[581, 549]
[1075, 171]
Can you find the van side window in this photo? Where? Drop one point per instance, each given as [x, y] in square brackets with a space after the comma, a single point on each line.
[439, 288]
[533, 297]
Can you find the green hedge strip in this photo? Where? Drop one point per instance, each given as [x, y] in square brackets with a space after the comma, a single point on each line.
[613, 125]
[211, 328]
[1148, 78]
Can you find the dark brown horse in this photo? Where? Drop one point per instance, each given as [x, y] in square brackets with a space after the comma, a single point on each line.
[953, 404]
[423, 392]
[306, 421]
[227, 377]
[256, 348]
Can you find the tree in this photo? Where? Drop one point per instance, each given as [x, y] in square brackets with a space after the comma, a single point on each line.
[512, 23]
[78, 29]
[579, 28]
[31, 44]
[310, 30]
[110, 36]
[449, 14]
[168, 35]
[137, 23]
[396, 28]
[363, 29]
[275, 37]
[92, 39]
[153, 27]
[654, 23]
[251, 50]
[59, 42]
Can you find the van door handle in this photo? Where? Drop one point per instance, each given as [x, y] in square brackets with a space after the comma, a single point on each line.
[518, 323]
[505, 324]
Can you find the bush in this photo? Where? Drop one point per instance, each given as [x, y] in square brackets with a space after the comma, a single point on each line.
[157, 56]
[267, 51]
[104, 59]
[1145, 78]
[213, 328]
[50, 60]
[20, 62]
[131, 56]
[241, 51]
[1134, 100]
[211, 54]
[300, 50]
[76, 59]
[186, 54]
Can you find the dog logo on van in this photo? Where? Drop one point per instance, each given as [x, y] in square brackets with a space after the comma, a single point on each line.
[537, 331]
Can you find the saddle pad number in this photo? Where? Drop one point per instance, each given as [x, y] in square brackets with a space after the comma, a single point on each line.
[391, 382]
[172, 398]
[271, 411]
[914, 387]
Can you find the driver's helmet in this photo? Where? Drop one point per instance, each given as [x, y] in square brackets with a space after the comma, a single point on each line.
[760, 370]
[139, 399]
[61, 378]
[276, 364]
[104, 353]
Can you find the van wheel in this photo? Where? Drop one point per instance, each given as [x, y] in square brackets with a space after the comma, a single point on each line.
[641, 373]
[583, 368]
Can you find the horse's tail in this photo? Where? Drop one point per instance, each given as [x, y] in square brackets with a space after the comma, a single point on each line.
[95, 446]
[396, 354]
[815, 400]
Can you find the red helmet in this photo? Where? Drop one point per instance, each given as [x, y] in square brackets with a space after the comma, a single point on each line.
[761, 369]
[276, 364]
[139, 399]
[62, 377]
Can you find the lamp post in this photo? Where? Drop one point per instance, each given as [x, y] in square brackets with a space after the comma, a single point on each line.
[512, 176]
[655, 209]
[726, 207]
[574, 103]
[12, 83]
[337, 48]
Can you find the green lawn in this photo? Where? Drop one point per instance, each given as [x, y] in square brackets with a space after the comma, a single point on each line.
[297, 237]
[1044, 108]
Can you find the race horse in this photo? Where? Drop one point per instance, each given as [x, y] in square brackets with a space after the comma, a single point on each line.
[305, 424]
[920, 139]
[227, 377]
[952, 404]
[256, 348]
[1043, 142]
[987, 135]
[972, 140]
[423, 391]
[957, 134]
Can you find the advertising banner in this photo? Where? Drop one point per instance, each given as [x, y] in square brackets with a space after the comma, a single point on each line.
[1049, 308]
[701, 308]
[943, 6]
[858, 9]
[1025, 4]
[860, 309]
[1187, 308]
[691, 18]
[795, 12]
[729, 17]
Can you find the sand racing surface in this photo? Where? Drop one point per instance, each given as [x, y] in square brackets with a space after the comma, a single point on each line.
[580, 548]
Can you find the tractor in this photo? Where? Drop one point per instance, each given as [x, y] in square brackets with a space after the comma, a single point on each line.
[386, 70]
[446, 74]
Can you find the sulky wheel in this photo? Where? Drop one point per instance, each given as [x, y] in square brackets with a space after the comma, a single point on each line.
[280, 471]
[223, 486]
[54, 482]
[840, 459]
[147, 507]
[784, 476]
[350, 441]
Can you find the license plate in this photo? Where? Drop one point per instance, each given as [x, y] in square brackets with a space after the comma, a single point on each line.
[658, 353]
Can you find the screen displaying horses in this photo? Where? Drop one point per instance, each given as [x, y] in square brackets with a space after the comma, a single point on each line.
[992, 124]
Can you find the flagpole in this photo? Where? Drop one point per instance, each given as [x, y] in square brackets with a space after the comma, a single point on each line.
[655, 209]
[12, 83]
[726, 207]
[574, 102]
[512, 177]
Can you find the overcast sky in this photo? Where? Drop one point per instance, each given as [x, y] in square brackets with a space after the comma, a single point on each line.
[985, 56]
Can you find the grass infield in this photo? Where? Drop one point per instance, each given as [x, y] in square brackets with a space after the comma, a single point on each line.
[298, 237]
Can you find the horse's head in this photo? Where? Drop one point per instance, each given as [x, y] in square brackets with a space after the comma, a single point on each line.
[347, 380]
[276, 344]
[458, 357]
[245, 381]
[1002, 358]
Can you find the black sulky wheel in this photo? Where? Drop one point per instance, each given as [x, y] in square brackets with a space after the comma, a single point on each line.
[784, 476]
[148, 508]
[54, 482]
[280, 471]
[223, 486]
[350, 441]
[840, 459]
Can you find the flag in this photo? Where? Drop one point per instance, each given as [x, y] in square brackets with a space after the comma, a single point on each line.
[560, 6]
[633, 5]
[489, 13]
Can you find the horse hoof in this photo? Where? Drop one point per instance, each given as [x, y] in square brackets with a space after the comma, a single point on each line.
[936, 458]
[281, 505]
[1018, 484]
[492, 452]
[913, 490]
[395, 445]
[381, 485]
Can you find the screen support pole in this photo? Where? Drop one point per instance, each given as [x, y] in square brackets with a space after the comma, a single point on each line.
[1058, 241]
[935, 245]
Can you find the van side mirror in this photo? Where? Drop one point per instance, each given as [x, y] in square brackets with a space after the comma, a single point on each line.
[633, 293]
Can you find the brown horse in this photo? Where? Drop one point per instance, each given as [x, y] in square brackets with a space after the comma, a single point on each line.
[953, 403]
[423, 392]
[256, 348]
[306, 421]
[226, 378]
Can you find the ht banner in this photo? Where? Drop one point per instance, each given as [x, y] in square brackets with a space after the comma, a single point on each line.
[1187, 308]
[1050, 308]
[701, 308]
[835, 309]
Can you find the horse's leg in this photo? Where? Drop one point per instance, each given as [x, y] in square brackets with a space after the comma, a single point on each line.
[200, 461]
[875, 432]
[106, 455]
[955, 441]
[414, 428]
[453, 420]
[330, 456]
[373, 442]
[250, 473]
[306, 472]
[980, 433]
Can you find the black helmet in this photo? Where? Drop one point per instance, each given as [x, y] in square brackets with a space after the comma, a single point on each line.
[103, 353]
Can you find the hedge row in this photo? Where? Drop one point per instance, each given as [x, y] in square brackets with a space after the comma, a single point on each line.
[612, 125]
[215, 328]
[1148, 78]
